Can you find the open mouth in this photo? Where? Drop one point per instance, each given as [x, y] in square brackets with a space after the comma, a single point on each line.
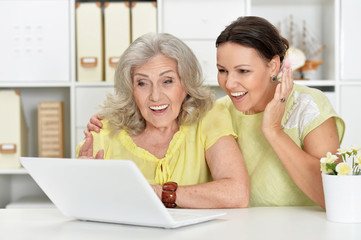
[238, 94]
[160, 108]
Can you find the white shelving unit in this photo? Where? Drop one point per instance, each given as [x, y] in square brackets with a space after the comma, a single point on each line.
[350, 74]
[198, 23]
[39, 43]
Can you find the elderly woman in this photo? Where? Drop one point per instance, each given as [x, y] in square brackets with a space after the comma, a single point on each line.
[161, 117]
[283, 129]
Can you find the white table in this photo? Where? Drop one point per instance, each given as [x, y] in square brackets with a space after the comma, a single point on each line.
[304, 223]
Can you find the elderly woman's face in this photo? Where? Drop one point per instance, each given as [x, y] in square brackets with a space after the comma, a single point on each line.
[158, 91]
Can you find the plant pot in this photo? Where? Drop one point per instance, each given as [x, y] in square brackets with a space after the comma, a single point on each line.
[342, 198]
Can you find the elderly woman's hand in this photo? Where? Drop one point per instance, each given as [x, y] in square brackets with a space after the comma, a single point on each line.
[86, 150]
[94, 125]
[275, 109]
[158, 190]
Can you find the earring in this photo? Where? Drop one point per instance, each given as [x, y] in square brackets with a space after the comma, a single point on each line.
[273, 78]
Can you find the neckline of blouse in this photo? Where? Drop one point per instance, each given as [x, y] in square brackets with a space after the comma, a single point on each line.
[142, 153]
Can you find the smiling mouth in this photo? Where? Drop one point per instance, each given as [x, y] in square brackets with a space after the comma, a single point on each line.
[159, 108]
[238, 94]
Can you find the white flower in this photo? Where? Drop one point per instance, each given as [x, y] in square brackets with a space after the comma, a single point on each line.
[344, 151]
[343, 169]
[324, 168]
[355, 148]
[341, 151]
[329, 158]
[350, 165]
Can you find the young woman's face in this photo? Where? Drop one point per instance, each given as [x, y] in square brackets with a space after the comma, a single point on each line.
[245, 76]
[158, 91]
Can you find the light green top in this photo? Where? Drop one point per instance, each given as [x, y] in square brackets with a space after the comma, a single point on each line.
[271, 185]
[184, 161]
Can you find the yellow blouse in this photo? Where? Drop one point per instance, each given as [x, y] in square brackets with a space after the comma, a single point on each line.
[184, 161]
[271, 185]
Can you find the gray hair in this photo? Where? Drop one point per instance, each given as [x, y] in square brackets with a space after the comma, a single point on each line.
[120, 108]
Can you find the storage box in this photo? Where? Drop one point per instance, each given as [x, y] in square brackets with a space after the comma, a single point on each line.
[13, 129]
[144, 18]
[51, 129]
[116, 34]
[89, 42]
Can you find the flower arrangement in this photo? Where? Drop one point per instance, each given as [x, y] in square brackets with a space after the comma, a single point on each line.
[350, 164]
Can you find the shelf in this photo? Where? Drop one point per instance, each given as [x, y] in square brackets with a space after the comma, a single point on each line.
[13, 171]
[327, 83]
[282, 2]
[315, 82]
[350, 83]
[34, 84]
[31, 202]
[94, 84]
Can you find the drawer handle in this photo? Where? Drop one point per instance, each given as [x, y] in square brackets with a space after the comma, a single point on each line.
[8, 148]
[113, 61]
[89, 61]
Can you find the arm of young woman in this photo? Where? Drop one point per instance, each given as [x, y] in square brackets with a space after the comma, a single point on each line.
[302, 165]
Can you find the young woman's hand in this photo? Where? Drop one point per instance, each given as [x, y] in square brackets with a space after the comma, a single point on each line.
[275, 109]
[94, 124]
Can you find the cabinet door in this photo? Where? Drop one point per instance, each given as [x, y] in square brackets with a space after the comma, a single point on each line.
[350, 40]
[198, 19]
[35, 41]
[351, 114]
[205, 52]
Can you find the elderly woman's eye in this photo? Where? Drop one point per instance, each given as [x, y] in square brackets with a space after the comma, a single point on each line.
[141, 83]
[168, 81]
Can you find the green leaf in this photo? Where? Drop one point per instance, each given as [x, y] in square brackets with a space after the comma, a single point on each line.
[331, 166]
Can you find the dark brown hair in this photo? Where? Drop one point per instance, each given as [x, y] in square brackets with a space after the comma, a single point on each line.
[257, 33]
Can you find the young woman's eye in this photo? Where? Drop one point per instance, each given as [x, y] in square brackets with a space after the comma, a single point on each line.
[243, 71]
[221, 71]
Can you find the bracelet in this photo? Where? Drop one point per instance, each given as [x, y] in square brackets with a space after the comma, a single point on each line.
[169, 195]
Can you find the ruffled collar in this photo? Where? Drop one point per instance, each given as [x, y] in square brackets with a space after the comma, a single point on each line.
[162, 172]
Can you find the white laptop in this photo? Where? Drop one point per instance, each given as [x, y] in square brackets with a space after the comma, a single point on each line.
[107, 191]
